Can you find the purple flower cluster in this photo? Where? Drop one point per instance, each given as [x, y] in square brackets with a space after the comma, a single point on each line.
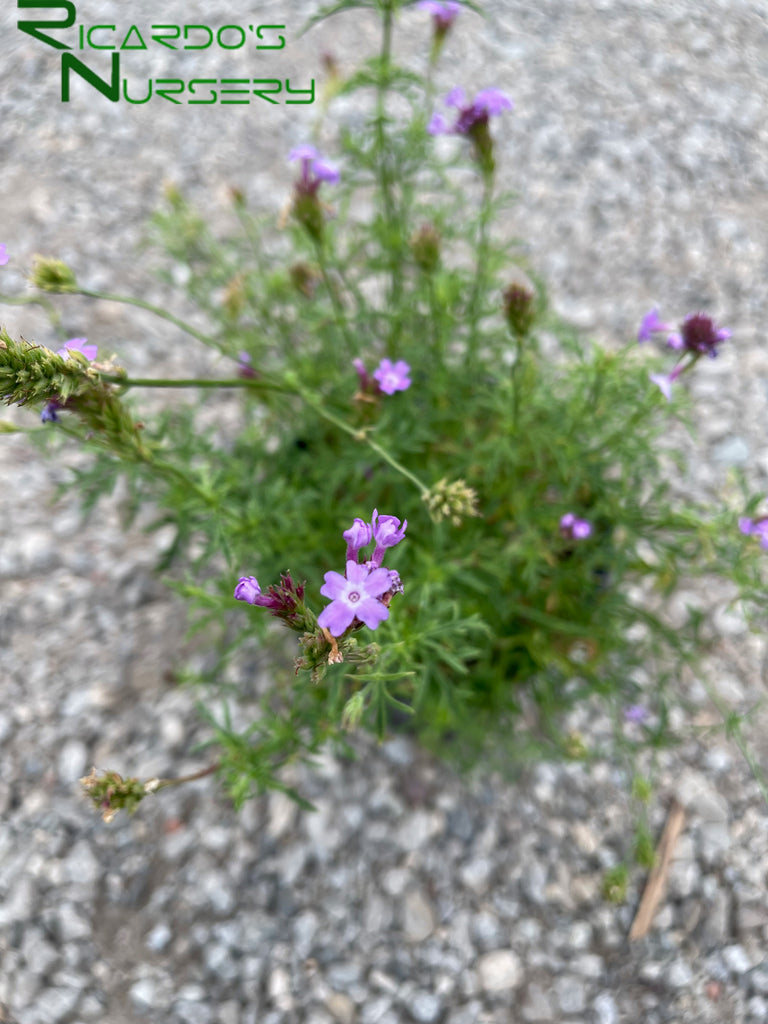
[487, 103]
[573, 528]
[363, 593]
[388, 377]
[756, 528]
[314, 169]
[4, 257]
[698, 335]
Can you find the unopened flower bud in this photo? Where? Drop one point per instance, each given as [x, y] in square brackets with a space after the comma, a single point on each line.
[519, 308]
[425, 246]
[304, 278]
[51, 275]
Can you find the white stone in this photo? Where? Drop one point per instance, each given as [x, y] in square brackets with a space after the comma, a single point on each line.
[499, 970]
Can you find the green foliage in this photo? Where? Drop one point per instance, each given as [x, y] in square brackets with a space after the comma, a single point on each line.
[511, 421]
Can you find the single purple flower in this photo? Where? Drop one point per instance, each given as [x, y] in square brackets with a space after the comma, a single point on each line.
[574, 528]
[49, 410]
[4, 257]
[664, 381]
[757, 528]
[247, 589]
[78, 345]
[443, 14]
[387, 532]
[635, 713]
[392, 377]
[244, 368]
[471, 116]
[355, 596]
[651, 323]
[359, 535]
[314, 169]
[700, 334]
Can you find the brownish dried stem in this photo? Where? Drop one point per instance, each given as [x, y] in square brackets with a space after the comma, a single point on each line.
[654, 887]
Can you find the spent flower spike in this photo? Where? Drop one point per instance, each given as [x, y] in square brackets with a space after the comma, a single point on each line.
[392, 377]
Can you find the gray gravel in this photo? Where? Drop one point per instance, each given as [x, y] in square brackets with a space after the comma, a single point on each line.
[638, 146]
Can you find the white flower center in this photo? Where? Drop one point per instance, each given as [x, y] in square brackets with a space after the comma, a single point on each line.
[353, 596]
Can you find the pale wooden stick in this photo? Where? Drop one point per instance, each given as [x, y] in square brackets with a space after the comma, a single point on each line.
[654, 887]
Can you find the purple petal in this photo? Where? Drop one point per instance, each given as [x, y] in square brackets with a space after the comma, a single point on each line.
[651, 322]
[492, 101]
[456, 97]
[335, 584]
[372, 612]
[303, 152]
[664, 383]
[675, 340]
[437, 125]
[336, 617]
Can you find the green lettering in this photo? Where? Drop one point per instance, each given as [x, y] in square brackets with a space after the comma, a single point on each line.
[203, 28]
[146, 98]
[261, 28]
[264, 82]
[97, 46]
[202, 81]
[141, 45]
[300, 92]
[239, 92]
[32, 28]
[169, 93]
[175, 33]
[109, 89]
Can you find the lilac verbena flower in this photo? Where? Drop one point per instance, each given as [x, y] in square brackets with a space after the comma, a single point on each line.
[443, 14]
[78, 345]
[664, 381]
[756, 528]
[49, 411]
[576, 529]
[471, 116]
[358, 536]
[699, 334]
[354, 596]
[4, 257]
[314, 169]
[635, 713]
[244, 367]
[650, 324]
[392, 377]
[387, 532]
[247, 589]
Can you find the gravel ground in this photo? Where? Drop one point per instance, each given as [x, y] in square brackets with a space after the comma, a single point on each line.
[638, 147]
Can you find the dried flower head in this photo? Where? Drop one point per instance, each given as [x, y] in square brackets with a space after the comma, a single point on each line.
[455, 501]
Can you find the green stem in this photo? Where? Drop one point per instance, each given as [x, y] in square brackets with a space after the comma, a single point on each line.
[129, 300]
[165, 783]
[473, 311]
[338, 308]
[383, 156]
[254, 384]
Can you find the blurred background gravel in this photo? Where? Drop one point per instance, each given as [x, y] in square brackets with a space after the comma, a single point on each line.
[638, 149]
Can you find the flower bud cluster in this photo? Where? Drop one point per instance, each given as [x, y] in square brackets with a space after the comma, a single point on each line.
[454, 501]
